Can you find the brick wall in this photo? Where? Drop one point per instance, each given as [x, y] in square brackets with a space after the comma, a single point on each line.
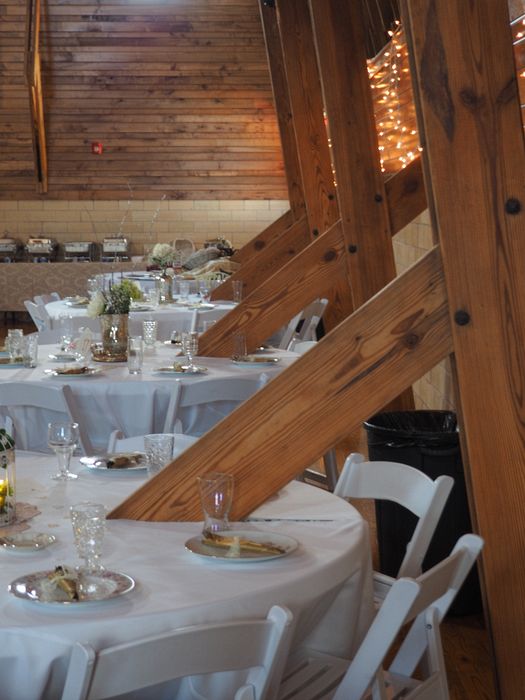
[143, 222]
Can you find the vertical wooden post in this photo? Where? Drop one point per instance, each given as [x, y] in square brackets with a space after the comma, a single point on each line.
[306, 101]
[474, 153]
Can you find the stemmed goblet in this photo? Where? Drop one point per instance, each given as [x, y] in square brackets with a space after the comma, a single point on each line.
[63, 438]
[190, 347]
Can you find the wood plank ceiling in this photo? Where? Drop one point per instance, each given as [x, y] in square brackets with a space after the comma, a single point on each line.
[178, 94]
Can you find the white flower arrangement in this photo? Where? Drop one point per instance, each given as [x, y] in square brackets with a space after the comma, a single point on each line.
[162, 255]
[116, 301]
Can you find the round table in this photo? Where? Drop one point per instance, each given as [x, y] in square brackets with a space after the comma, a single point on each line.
[326, 581]
[134, 404]
[169, 317]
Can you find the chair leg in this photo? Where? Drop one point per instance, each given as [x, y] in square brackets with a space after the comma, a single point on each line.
[330, 466]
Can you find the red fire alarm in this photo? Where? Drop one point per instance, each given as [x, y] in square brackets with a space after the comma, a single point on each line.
[97, 148]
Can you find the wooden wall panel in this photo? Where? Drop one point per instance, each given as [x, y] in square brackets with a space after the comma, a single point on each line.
[179, 95]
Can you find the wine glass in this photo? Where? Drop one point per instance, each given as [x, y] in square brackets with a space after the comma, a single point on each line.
[62, 438]
[190, 347]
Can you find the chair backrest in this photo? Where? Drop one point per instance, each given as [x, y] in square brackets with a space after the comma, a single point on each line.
[402, 484]
[422, 602]
[43, 299]
[38, 314]
[201, 315]
[256, 644]
[309, 319]
[195, 393]
[41, 396]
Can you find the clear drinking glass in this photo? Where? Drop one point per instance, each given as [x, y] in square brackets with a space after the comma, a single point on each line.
[89, 527]
[63, 438]
[204, 290]
[216, 492]
[184, 289]
[14, 344]
[239, 344]
[159, 450]
[237, 286]
[190, 347]
[149, 332]
[66, 331]
[135, 354]
[30, 350]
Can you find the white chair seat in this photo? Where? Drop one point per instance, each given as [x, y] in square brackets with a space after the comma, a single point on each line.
[422, 603]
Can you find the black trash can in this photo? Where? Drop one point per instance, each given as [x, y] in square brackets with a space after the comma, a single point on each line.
[428, 441]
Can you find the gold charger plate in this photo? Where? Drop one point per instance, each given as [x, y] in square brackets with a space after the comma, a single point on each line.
[99, 355]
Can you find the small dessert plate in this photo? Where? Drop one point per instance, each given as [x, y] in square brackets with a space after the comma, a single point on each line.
[73, 372]
[26, 541]
[255, 360]
[180, 370]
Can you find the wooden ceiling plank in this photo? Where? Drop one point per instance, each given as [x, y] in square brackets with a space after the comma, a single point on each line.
[352, 372]
[470, 123]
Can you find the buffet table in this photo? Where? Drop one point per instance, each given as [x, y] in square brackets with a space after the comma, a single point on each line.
[112, 399]
[169, 317]
[326, 581]
[22, 280]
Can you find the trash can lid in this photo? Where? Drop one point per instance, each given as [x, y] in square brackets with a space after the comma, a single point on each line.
[428, 425]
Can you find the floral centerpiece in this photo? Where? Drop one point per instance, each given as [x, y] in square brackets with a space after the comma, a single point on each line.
[163, 256]
[115, 301]
[112, 307]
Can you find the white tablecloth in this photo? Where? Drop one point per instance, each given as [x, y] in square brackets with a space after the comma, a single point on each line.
[169, 317]
[135, 404]
[326, 582]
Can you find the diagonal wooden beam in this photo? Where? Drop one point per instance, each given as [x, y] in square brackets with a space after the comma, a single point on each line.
[312, 273]
[356, 369]
[260, 243]
[405, 195]
[469, 119]
[255, 271]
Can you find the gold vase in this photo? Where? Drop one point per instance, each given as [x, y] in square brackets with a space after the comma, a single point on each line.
[114, 329]
[164, 288]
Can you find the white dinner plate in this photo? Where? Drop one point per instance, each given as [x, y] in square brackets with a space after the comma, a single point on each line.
[35, 587]
[76, 302]
[117, 462]
[66, 373]
[255, 360]
[180, 372]
[140, 307]
[235, 556]
[26, 541]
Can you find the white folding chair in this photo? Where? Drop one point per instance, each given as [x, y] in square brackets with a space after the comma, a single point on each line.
[307, 321]
[43, 299]
[259, 645]
[58, 399]
[423, 602]
[410, 488]
[38, 314]
[233, 389]
[201, 315]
